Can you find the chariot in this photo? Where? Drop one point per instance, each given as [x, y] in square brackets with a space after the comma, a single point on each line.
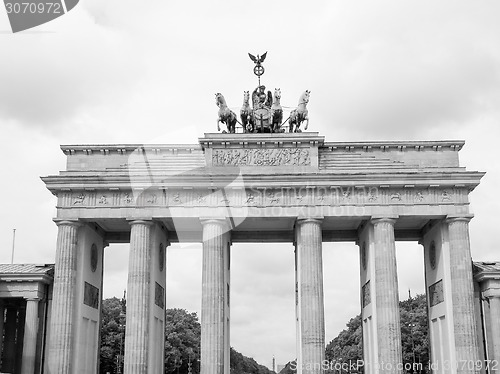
[266, 114]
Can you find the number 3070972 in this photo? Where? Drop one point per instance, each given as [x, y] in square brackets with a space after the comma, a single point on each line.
[33, 8]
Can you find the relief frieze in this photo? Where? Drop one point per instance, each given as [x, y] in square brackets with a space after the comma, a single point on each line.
[261, 157]
[436, 293]
[264, 196]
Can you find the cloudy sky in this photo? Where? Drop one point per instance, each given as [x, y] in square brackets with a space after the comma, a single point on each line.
[117, 71]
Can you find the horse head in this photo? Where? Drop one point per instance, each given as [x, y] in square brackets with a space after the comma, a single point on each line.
[277, 94]
[246, 97]
[304, 98]
[219, 100]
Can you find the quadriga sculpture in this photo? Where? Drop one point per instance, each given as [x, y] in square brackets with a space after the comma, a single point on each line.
[226, 116]
[300, 114]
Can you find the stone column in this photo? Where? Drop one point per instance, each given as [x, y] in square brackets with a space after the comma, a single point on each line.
[9, 348]
[310, 285]
[390, 354]
[494, 301]
[2, 316]
[215, 242]
[493, 296]
[138, 299]
[462, 294]
[60, 354]
[30, 336]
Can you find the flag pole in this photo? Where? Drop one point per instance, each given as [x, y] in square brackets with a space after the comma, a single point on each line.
[13, 245]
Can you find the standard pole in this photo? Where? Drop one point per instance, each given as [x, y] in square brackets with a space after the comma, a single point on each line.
[13, 245]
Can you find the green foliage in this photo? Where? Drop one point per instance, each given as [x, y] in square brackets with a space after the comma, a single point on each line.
[290, 368]
[348, 345]
[182, 341]
[414, 330]
[244, 365]
[112, 333]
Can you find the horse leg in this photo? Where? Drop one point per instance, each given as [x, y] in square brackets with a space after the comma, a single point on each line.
[279, 120]
[243, 121]
[218, 126]
[232, 123]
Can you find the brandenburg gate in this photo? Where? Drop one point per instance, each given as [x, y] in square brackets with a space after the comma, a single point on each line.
[262, 187]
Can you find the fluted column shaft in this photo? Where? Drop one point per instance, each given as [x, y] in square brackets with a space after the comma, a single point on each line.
[462, 293]
[2, 316]
[138, 299]
[212, 296]
[495, 328]
[311, 304]
[9, 348]
[390, 355]
[63, 299]
[30, 337]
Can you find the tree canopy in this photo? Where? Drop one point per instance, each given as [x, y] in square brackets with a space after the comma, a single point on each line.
[182, 342]
[112, 335]
[348, 345]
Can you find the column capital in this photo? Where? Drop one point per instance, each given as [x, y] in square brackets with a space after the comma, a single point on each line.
[67, 222]
[384, 219]
[491, 293]
[215, 220]
[140, 221]
[32, 299]
[318, 220]
[458, 218]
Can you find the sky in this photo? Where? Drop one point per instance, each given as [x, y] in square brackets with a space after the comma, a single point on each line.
[117, 71]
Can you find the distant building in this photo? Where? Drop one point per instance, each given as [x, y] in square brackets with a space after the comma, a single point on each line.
[487, 295]
[25, 304]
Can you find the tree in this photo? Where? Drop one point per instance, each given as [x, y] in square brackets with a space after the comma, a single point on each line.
[112, 335]
[290, 368]
[348, 345]
[182, 341]
[414, 330]
[241, 364]
[182, 346]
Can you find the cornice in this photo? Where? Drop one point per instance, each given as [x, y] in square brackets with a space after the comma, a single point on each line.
[26, 277]
[469, 179]
[88, 149]
[218, 140]
[260, 140]
[401, 145]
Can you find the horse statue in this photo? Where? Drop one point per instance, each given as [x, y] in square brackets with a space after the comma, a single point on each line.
[276, 111]
[246, 116]
[300, 114]
[226, 116]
